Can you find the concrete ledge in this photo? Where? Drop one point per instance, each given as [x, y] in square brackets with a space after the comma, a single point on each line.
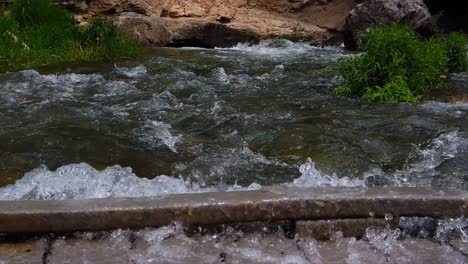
[273, 204]
[327, 229]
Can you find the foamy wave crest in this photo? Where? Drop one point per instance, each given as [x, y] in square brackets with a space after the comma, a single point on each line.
[311, 177]
[81, 181]
[440, 149]
[133, 72]
[156, 133]
[276, 47]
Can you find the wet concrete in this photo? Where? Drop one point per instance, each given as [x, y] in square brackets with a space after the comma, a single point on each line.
[23, 252]
[254, 247]
[326, 229]
[273, 204]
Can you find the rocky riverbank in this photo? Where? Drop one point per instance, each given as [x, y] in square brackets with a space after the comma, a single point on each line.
[221, 23]
[224, 23]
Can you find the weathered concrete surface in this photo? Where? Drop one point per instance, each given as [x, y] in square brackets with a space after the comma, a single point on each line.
[102, 251]
[418, 251]
[327, 229]
[162, 246]
[277, 203]
[216, 208]
[23, 252]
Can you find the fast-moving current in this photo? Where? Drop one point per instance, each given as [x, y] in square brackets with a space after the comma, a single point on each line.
[183, 120]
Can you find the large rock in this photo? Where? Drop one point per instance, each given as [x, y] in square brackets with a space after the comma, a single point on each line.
[149, 31]
[315, 20]
[145, 7]
[376, 12]
[207, 34]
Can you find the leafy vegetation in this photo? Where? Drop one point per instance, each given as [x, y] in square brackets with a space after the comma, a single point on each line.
[298, 34]
[398, 66]
[36, 33]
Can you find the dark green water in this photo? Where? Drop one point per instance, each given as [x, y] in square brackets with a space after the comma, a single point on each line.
[219, 117]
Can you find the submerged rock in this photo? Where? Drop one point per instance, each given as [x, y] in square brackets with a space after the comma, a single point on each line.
[376, 12]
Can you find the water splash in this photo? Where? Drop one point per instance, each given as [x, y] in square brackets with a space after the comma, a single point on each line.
[156, 133]
[274, 48]
[133, 72]
[454, 228]
[440, 149]
[382, 239]
[311, 177]
[81, 181]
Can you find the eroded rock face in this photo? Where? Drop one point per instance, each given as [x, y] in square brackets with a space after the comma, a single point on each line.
[206, 34]
[270, 18]
[150, 31]
[376, 12]
[228, 20]
[145, 7]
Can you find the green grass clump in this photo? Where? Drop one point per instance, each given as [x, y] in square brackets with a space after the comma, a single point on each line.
[457, 52]
[398, 66]
[35, 33]
[298, 34]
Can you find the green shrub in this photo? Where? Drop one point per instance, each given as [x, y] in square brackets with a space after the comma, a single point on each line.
[37, 13]
[103, 34]
[35, 33]
[457, 52]
[398, 66]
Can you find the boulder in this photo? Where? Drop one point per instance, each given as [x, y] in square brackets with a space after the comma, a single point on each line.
[145, 7]
[206, 34]
[149, 31]
[376, 12]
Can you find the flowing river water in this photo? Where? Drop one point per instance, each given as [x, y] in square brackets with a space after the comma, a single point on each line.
[189, 120]
[218, 119]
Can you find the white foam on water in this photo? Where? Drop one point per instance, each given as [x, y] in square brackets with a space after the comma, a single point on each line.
[116, 88]
[32, 90]
[33, 87]
[275, 74]
[277, 47]
[154, 133]
[132, 72]
[221, 75]
[69, 78]
[81, 181]
[440, 149]
[382, 239]
[311, 177]
[453, 228]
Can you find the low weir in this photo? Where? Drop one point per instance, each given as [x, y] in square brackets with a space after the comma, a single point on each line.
[278, 224]
[272, 204]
